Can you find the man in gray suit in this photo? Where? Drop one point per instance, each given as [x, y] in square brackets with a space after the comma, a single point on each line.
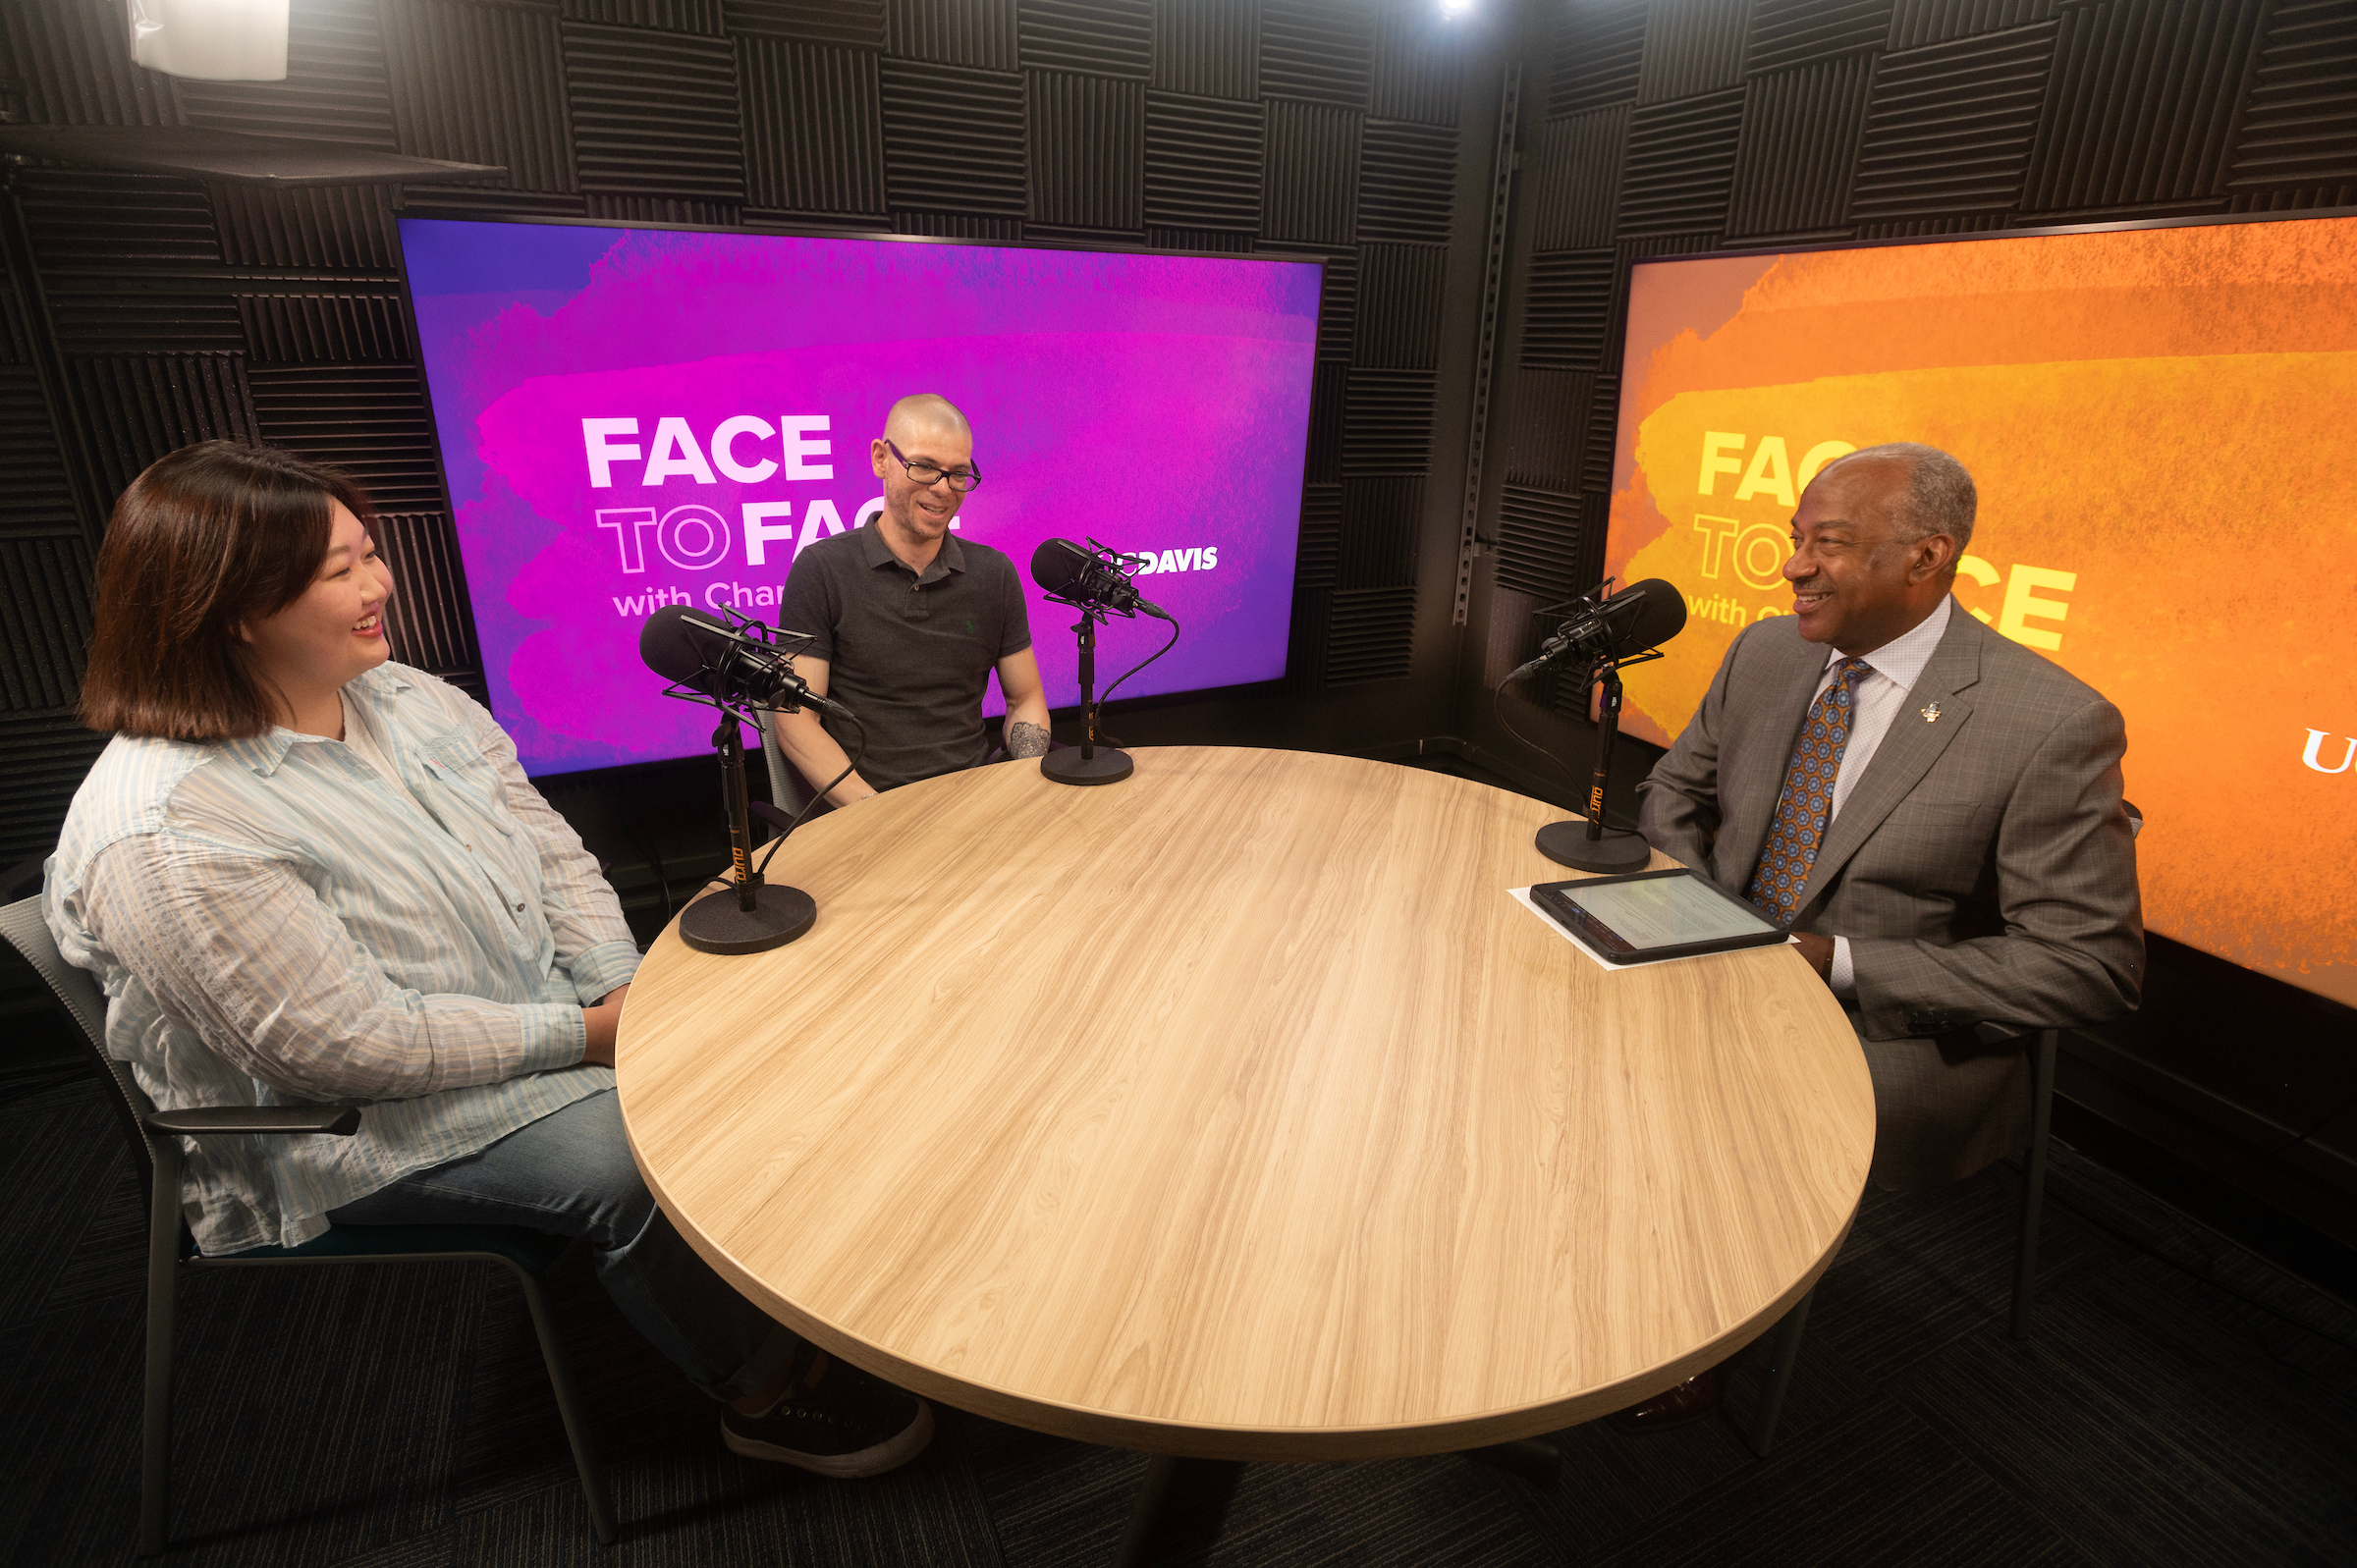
[1935, 811]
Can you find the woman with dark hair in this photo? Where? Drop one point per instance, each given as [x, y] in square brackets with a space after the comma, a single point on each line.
[305, 873]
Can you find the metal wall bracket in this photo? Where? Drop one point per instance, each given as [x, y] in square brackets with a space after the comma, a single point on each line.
[1493, 290]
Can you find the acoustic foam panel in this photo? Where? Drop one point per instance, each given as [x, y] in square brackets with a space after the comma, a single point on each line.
[1407, 181]
[813, 127]
[1418, 70]
[2300, 129]
[954, 139]
[325, 328]
[1566, 304]
[136, 408]
[45, 585]
[1681, 158]
[369, 420]
[476, 83]
[1379, 517]
[1790, 32]
[1386, 422]
[1949, 127]
[1319, 51]
[852, 23]
[1546, 427]
[1398, 306]
[1597, 55]
[2141, 102]
[1106, 37]
[322, 229]
[671, 15]
[957, 33]
[1691, 46]
[1916, 23]
[426, 622]
[1087, 150]
[1800, 143]
[1208, 48]
[1311, 189]
[1367, 638]
[654, 113]
[1575, 179]
[1321, 536]
[1539, 543]
[1203, 162]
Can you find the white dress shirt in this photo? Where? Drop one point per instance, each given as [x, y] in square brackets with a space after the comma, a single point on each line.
[1892, 673]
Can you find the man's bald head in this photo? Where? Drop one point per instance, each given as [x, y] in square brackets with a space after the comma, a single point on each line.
[924, 414]
[924, 434]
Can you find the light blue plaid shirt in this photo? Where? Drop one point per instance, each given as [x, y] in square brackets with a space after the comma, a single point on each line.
[275, 924]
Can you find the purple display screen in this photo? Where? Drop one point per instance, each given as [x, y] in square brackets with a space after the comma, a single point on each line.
[637, 418]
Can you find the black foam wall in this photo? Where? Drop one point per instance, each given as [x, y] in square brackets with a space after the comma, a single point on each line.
[1696, 125]
[142, 312]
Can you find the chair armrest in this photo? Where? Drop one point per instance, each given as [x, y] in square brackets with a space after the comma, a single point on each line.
[770, 814]
[340, 1120]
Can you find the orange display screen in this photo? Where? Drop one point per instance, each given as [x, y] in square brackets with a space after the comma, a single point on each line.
[2163, 424]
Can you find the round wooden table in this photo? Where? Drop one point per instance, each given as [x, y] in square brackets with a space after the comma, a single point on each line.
[1235, 1112]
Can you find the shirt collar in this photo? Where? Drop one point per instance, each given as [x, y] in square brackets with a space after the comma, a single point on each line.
[266, 753]
[876, 553]
[1900, 661]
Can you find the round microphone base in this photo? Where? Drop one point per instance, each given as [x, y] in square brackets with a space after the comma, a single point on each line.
[714, 922]
[1106, 767]
[1568, 844]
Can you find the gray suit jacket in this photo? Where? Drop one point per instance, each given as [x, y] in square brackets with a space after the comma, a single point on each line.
[1982, 867]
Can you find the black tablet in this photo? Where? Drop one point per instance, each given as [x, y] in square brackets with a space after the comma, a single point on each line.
[1654, 914]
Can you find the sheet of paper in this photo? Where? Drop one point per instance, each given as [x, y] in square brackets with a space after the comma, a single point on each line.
[1522, 896]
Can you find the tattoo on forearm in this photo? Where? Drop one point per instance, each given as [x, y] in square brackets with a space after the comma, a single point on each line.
[1026, 740]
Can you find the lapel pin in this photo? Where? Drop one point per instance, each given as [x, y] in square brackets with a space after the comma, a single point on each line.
[1931, 714]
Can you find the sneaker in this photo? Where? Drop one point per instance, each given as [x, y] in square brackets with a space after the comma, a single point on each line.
[851, 1426]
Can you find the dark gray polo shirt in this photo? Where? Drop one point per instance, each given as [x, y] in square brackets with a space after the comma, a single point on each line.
[911, 655]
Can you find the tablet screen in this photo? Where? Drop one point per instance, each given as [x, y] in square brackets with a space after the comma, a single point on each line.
[1664, 913]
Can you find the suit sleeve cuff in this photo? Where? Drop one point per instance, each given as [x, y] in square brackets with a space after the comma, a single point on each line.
[603, 969]
[1843, 977]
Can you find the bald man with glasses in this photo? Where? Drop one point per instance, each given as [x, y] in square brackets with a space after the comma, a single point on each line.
[907, 622]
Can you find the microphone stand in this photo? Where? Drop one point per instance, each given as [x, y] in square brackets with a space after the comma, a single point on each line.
[757, 915]
[1088, 764]
[750, 915]
[1588, 844]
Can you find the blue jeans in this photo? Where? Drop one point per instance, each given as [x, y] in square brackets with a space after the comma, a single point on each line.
[570, 1174]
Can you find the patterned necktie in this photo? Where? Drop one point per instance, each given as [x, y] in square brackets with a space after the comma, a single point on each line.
[1807, 803]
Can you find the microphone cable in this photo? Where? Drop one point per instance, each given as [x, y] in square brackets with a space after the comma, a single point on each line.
[1498, 712]
[1106, 696]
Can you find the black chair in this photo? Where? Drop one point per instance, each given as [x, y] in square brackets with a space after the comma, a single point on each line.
[2041, 1048]
[155, 1136]
[788, 788]
[2042, 1053]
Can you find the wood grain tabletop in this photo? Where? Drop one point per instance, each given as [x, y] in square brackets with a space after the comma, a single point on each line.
[1236, 1112]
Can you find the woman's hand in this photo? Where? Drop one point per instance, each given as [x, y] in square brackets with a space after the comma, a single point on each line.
[601, 1021]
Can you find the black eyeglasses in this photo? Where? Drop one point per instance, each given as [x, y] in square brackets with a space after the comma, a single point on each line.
[924, 473]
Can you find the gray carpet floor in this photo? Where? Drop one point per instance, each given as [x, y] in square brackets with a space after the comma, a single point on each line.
[2181, 1402]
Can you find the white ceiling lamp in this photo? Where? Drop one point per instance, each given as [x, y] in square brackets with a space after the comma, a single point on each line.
[211, 40]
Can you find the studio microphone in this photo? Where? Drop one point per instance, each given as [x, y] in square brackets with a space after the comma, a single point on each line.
[1643, 615]
[696, 649]
[1074, 573]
